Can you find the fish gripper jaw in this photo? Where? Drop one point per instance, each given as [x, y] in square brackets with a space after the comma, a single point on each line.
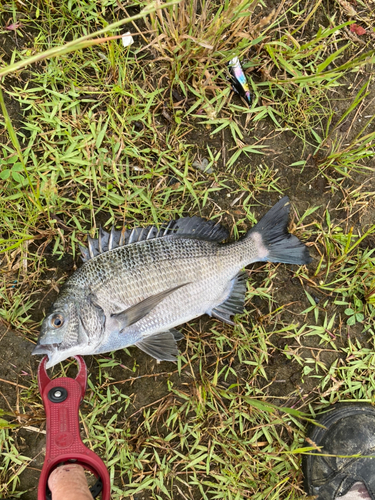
[61, 399]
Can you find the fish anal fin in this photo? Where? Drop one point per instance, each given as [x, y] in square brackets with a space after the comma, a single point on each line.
[161, 346]
[138, 311]
[234, 303]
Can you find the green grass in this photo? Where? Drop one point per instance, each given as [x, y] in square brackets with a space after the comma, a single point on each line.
[109, 135]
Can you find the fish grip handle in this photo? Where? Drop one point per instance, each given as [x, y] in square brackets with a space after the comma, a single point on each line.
[61, 399]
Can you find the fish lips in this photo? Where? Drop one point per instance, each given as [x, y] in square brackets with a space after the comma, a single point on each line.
[54, 354]
[50, 350]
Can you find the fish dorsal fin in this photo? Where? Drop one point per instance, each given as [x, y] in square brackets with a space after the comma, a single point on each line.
[187, 227]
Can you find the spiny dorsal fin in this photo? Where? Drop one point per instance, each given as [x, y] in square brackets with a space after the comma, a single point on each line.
[187, 227]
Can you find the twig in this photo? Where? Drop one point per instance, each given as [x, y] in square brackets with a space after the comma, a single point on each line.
[150, 375]
[146, 406]
[13, 383]
[34, 429]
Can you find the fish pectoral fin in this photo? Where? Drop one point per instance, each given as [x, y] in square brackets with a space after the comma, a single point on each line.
[161, 346]
[140, 310]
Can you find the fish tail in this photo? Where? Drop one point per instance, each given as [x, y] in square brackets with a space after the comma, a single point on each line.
[272, 239]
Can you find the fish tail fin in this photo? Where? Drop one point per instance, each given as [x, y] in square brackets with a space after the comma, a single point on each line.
[274, 242]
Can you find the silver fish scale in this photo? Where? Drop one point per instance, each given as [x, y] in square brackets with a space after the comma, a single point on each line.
[126, 275]
[209, 285]
[139, 256]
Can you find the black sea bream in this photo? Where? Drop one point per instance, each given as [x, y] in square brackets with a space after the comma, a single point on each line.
[136, 286]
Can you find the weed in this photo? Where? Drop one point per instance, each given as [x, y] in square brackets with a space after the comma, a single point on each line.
[109, 135]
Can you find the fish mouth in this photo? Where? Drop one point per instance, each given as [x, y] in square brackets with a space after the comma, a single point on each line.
[48, 349]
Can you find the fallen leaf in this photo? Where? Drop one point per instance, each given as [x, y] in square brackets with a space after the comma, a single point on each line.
[13, 27]
[358, 30]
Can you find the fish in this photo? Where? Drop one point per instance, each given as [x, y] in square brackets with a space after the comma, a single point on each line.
[136, 286]
[238, 80]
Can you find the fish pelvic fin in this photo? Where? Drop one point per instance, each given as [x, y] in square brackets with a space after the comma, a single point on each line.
[138, 311]
[274, 242]
[161, 346]
[234, 303]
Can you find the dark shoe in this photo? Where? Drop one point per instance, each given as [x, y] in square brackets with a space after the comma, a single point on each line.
[349, 430]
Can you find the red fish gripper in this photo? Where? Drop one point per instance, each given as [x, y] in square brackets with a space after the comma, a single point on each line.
[61, 399]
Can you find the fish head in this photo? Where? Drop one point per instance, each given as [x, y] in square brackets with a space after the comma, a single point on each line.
[72, 328]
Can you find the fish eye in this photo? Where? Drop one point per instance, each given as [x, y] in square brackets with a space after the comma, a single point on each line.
[57, 321]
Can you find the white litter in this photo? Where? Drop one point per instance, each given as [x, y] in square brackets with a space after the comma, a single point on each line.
[127, 39]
